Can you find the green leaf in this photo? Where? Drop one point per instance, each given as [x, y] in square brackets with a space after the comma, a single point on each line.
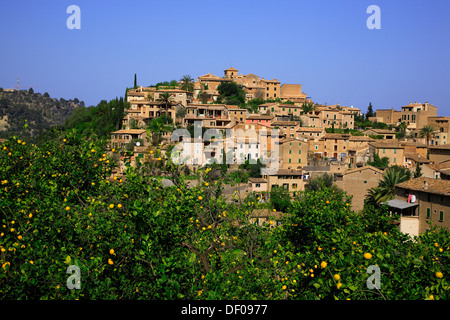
[316, 285]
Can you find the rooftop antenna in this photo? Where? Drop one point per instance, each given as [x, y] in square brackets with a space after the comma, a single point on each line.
[17, 83]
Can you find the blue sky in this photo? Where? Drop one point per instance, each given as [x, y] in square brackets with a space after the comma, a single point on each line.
[323, 45]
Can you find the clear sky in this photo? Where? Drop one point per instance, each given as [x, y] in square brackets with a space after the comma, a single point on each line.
[323, 45]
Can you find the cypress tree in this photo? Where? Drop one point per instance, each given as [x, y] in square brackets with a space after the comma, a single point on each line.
[370, 112]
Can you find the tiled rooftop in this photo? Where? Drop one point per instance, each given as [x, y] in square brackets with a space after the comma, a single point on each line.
[435, 186]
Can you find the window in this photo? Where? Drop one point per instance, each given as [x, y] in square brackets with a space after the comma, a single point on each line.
[316, 147]
[299, 151]
[395, 160]
[384, 150]
[428, 213]
[441, 215]
[290, 151]
[299, 160]
[257, 185]
[395, 151]
[289, 160]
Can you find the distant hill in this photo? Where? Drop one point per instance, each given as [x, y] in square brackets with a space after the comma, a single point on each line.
[40, 110]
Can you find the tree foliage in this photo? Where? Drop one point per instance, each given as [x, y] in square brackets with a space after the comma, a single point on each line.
[100, 120]
[380, 163]
[231, 93]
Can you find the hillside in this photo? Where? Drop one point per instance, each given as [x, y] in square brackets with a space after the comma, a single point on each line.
[39, 110]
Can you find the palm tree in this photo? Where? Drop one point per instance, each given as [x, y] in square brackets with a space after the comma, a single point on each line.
[308, 107]
[166, 98]
[427, 132]
[187, 83]
[386, 188]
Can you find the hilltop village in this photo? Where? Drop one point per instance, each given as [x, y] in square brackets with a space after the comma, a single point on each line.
[311, 139]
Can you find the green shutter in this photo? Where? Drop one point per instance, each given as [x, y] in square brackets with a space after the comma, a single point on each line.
[428, 212]
[441, 215]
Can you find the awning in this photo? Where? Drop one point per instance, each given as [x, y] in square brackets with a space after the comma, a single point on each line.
[400, 204]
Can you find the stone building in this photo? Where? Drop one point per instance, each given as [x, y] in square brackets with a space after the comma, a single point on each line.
[357, 182]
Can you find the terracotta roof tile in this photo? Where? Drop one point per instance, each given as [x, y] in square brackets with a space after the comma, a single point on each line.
[435, 186]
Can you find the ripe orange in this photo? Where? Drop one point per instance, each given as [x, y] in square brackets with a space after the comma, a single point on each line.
[367, 255]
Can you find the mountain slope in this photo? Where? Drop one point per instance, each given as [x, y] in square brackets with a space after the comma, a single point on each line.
[39, 110]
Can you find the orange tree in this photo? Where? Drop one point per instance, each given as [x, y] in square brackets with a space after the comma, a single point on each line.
[327, 250]
[133, 238]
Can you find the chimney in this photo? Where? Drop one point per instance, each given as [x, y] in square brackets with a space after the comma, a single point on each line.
[425, 184]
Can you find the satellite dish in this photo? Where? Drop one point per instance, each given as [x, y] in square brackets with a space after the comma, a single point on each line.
[138, 143]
